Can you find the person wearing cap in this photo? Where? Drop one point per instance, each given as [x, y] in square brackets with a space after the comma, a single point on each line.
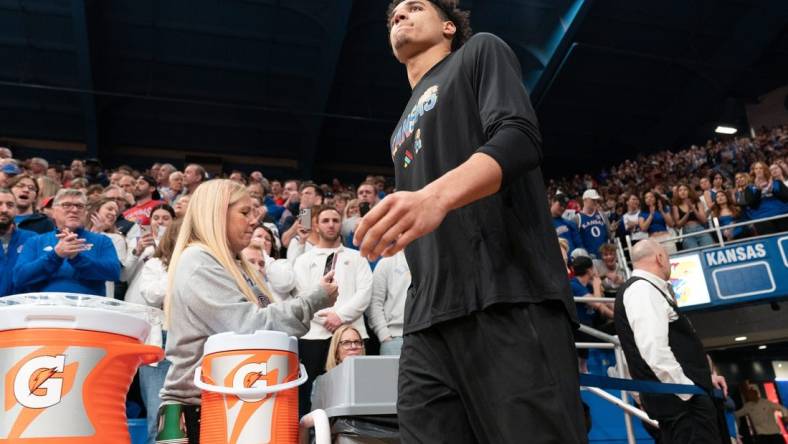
[565, 229]
[593, 225]
[146, 198]
[7, 172]
[12, 239]
[70, 259]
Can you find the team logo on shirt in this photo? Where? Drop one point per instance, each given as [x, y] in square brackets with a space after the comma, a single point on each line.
[407, 127]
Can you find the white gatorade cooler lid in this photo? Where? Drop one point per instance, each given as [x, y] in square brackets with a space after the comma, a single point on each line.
[259, 340]
[77, 312]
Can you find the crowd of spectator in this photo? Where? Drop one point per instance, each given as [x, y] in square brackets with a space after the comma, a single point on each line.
[677, 198]
[91, 230]
[87, 229]
[678, 193]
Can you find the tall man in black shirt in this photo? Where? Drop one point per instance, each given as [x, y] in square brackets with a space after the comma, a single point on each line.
[488, 353]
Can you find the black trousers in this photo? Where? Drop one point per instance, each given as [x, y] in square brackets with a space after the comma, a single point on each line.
[769, 439]
[313, 354]
[507, 374]
[683, 422]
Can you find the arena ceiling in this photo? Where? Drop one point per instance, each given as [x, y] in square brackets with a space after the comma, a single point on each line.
[309, 87]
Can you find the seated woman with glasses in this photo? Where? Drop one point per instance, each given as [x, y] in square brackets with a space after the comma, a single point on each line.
[345, 342]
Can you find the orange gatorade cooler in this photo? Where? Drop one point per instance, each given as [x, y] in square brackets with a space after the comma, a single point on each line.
[66, 363]
[250, 388]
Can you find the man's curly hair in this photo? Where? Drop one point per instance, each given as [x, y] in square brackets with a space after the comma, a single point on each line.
[449, 11]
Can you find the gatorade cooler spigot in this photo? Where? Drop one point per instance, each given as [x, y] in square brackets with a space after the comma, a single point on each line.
[66, 363]
[250, 388]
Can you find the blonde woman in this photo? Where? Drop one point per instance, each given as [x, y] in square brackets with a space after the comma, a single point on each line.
[345, 342]
[212, 289]
[46, 188]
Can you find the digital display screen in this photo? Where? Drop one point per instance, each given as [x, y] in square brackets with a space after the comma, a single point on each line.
[688, 280]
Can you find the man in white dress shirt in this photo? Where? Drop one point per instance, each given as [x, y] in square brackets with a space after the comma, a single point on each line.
[354, 278]
[386, 312]
[661, 345]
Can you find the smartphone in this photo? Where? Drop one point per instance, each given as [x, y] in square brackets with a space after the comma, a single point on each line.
[363, 208]
[331, 263]
[305, 216]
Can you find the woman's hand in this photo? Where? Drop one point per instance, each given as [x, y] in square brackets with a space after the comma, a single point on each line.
[99, 224]
[144, 241]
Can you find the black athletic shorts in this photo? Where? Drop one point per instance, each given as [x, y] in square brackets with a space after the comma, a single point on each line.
[507, 374]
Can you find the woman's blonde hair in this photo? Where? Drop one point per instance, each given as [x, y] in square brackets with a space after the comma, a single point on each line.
[351, 203]
[332, 360]
[205, 225]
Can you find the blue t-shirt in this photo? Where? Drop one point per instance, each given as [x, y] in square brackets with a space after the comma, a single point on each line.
[568, 230]
[585, 314]
[593, 232]
[770, 204]
[658, 223]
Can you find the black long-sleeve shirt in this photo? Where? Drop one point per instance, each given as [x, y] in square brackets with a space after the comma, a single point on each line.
[502, 248]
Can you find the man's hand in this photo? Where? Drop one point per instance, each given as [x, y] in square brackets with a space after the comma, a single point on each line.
[719, 382]
[396, 221]
[329, 285]
[331, 320]
[69, 245]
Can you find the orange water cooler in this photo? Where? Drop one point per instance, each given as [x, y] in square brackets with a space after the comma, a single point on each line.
[66, 363]
[250, 388]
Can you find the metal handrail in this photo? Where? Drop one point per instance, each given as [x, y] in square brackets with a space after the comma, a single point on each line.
[592, 299]
[624, 405]
[601, 345]
[598, 334]
[715, 228]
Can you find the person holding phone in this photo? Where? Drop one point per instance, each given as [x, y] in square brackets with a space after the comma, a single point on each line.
[354, 278]
[213, 289]
[70, 258]
[141, 248]
[306, 237]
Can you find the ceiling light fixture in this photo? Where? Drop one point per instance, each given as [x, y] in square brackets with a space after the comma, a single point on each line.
[721, 129]
[740, 338]
[761, 347]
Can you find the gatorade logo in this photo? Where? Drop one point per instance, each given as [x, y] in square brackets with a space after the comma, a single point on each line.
[41, 385]
[39, 382]
[252, 375]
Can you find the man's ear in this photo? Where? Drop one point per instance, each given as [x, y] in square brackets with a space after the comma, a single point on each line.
[449, 29]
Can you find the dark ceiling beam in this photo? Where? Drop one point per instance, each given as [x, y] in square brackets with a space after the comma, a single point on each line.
[220, 31]
[654, 24]
[557, 48]
[325, 71]
[202, 64]
[743, 45]
[84, 29]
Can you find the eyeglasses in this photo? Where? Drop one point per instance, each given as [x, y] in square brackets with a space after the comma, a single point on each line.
[23, 186]
[351, 344]
[71, 206]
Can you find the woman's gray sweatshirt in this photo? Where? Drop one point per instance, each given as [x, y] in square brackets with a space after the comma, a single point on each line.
[206, 301]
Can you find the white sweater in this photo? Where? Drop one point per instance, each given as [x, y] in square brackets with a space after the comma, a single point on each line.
[352, 275]
[390, 283]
